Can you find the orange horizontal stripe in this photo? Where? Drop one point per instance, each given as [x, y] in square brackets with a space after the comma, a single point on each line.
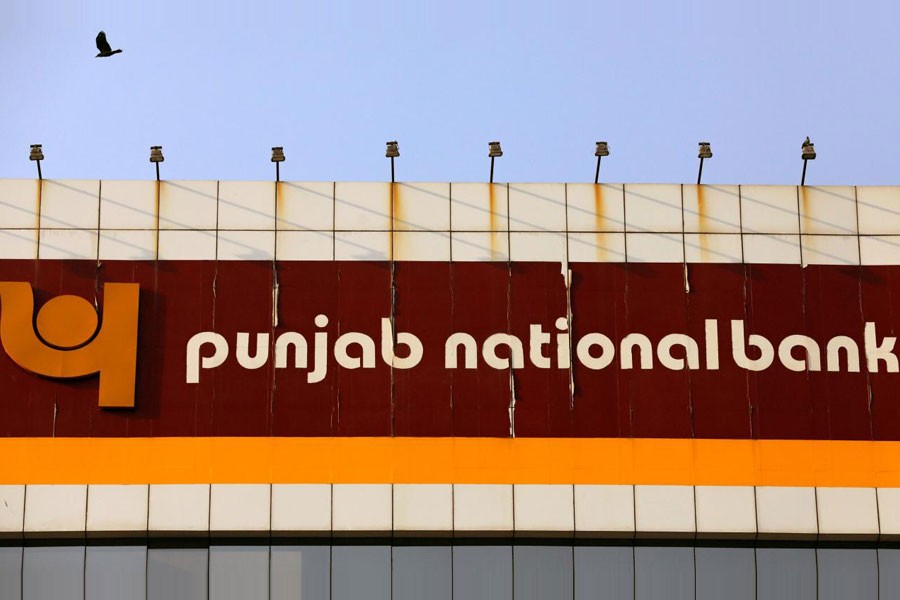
[449, 460]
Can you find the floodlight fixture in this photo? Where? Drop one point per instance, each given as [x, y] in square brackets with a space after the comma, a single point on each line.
[392, 151]
[37, 155]
[600, 151]
[277, 158]
[807, 152]
[156, 157]
[494, 151]
[704, 152]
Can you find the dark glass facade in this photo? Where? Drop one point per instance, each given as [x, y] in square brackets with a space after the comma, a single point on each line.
[443, 571]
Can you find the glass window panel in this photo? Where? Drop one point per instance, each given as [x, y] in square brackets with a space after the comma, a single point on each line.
[177, 573]
[361, 572]
[604, 572]
[663, 573]
[542, 572]
[422, 572]
[301, 573]
[726, 573]
[889, 573]
[116, 573]
[786, 573]
[238, 572]
[11, 573]
[848, 573]
[482, 573]
[53, 572]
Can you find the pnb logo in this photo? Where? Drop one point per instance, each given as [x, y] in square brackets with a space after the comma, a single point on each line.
[71, 340]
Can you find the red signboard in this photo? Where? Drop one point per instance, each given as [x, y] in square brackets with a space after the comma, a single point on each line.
[251, 348]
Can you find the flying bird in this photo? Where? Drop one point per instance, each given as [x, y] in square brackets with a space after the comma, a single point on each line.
[104, 47]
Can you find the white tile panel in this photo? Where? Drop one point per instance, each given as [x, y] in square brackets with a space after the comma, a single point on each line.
[188, 205]
[179, 508]
[246, 245]
[666, 510]
[543, 508]
[129, 244]
[712, 247]
[828, 210]
[712, 208]
[537, 207]
[654, 247]
[70, 204]
[239, 507]
[482, 508]
[476, 246]
[879, 250]
[772, 249]
[301, 508]
[362, 245]
[653, 207]
[55, 508]
[12, 509]
[726, 510]
[118, 508]
[878, 210]
[769, 209]
[423, 508]
[604, 510]
[422, 245]
[784, 511]
[187, 245]
[596, 247]
[847, 512]
[362, 206]
[538, 246]
[68, 244]
[247, 205]
[479, 207]
[421, 206]
[18, 243]
[598, 207]
[889, 512]
[128, 204]
[306, 205]
[19, 203]
[362, 508]
[305, 245]
[830, 249]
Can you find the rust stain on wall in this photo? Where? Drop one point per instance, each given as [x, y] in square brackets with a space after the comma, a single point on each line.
[492, 210]
[804, 208]
[396, 212]
[598, 206]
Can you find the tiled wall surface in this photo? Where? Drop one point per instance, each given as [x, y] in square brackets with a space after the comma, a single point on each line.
[460, 510]
[232, 220]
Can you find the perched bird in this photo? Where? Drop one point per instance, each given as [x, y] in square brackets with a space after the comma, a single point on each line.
[104, 47]
[805, 142]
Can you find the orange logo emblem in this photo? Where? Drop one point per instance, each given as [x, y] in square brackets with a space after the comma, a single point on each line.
[71, 341]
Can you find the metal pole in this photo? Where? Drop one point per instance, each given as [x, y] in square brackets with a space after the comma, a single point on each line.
[277, 172]
[597, 172]
[803, 177]
[157, 171]
[700, 173]
[40, 177]
[492, 169]
[392, 169]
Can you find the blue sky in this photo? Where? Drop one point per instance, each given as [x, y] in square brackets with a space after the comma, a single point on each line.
[218, 83]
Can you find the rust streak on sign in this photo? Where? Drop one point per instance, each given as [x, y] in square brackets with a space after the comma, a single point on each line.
[599, 222]
[279, 202]
[625, 461]
[395, 214]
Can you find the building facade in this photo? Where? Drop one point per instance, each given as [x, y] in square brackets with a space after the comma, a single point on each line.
[448, 390]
